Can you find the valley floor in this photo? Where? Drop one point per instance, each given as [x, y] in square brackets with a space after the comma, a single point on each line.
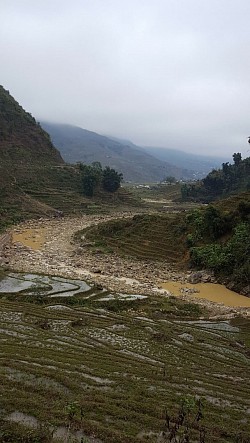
[47, 246]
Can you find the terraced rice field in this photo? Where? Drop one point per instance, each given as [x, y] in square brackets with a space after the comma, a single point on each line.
[100, 367]
[152, 237]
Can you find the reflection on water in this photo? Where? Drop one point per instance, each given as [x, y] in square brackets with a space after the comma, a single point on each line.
[33, 238]
[210, 291]
[14, 284]
[47, 285]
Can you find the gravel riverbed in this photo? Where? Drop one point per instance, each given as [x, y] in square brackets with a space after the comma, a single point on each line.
[60, 255]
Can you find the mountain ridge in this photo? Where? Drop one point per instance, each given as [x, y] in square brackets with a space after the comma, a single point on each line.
[80, 145]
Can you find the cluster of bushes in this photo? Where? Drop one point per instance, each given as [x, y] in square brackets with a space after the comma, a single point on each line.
[229, 179]
[220, 241]
[94, 178]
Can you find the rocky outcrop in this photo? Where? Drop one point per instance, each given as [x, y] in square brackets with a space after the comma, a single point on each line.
[201, 277]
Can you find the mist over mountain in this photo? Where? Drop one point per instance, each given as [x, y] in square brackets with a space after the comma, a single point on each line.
[137, 165]
[201, 164]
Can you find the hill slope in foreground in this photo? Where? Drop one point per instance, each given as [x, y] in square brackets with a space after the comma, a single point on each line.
[27, 159]
[34, 179]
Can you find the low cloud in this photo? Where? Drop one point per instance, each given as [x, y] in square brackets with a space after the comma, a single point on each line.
[164, 73]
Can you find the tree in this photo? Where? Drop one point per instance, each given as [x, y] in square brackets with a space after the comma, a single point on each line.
[111, 179]
[94, 177]
[214, 183]
[237, 158]
[91, 177]
[170, 179]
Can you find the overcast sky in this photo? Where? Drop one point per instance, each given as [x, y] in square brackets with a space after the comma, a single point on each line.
[173, 73]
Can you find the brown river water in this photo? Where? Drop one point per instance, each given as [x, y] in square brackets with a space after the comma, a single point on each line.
[209, 291]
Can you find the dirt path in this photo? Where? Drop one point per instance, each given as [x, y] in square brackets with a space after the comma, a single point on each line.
[47, 246]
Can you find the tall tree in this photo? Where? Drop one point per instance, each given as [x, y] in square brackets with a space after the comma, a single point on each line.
[237, 158]
[111, 179]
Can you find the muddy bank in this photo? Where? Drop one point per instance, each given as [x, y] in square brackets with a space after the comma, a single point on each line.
[57, 254]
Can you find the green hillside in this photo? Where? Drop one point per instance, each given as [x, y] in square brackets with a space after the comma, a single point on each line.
[23, 143]
[27, 161]
[34, 179]
[152, 237]
[220, 183]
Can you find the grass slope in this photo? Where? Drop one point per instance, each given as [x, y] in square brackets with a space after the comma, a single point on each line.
[156, 237]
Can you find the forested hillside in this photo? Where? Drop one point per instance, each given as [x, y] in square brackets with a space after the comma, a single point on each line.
[230, 179]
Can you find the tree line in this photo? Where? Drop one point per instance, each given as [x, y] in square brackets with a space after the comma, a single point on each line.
[220, 182]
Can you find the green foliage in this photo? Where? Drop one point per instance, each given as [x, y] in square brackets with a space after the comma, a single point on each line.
[93, 177]
[237, 158]
[231, 258]
[211, 256]
[111, 179]
[221, 182]
[219, 240]
[187, 424]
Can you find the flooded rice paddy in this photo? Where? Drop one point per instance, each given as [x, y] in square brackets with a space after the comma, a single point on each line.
[119, 371]
[117, 365]
[43, 284]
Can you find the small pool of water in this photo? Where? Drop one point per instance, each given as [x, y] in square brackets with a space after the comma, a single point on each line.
[14, 284]
[32, 238]
[209, 291]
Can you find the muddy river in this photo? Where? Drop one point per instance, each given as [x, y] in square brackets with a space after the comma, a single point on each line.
[209, 291]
